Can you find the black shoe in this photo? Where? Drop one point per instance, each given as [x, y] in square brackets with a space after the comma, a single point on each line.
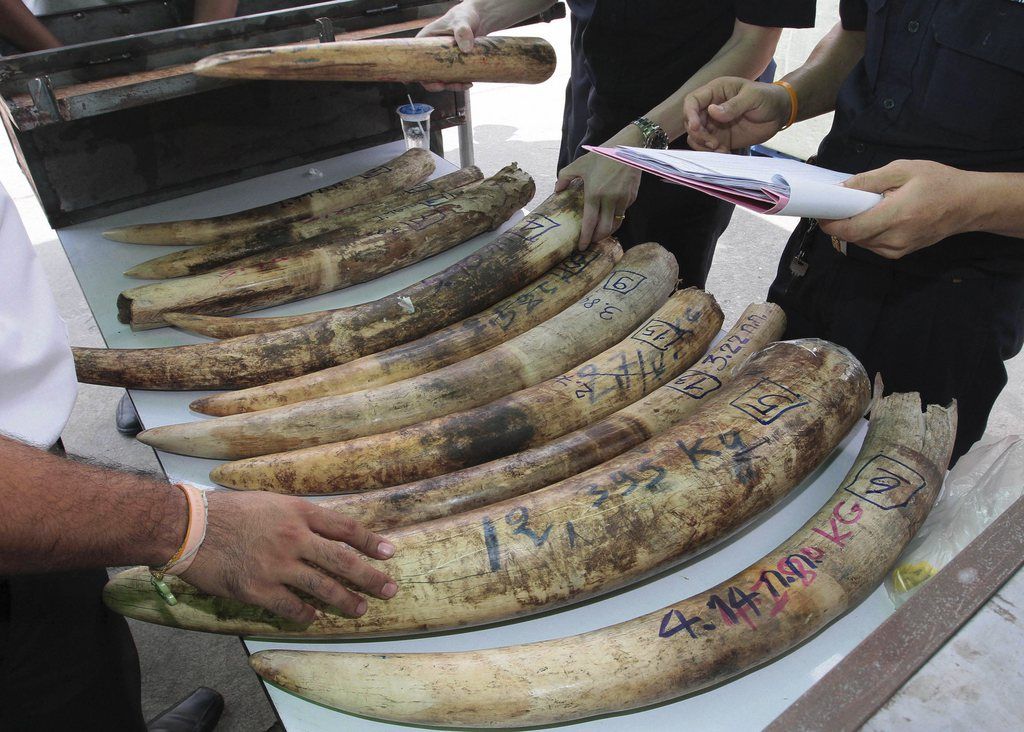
[126, 419]
[198, 712]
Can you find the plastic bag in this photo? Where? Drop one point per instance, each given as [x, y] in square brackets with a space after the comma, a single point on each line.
[983, 484]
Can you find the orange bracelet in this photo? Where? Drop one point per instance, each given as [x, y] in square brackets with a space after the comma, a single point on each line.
[794, 104]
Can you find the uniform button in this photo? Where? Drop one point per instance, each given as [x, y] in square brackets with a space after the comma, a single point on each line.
[859, 147]
[889, 103]
[912, 26]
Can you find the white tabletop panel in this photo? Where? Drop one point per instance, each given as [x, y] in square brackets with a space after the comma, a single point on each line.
[747, 702]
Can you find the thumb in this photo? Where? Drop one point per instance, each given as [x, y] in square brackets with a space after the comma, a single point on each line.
[565, 179]
[879, 180]
[732, 109]
[464, 37]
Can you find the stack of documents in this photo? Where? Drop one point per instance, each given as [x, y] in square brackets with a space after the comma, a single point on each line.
[766, 185]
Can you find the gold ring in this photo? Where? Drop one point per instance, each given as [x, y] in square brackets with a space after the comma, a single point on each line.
[620, 217]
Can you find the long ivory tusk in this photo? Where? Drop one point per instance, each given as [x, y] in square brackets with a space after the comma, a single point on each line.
[519, 255]
[600, 530]
[406, 170]
[522, 472]
[338, 260]
[828, 566]
[350, 220]
[559, 287]
[495, 59]
[570, 337]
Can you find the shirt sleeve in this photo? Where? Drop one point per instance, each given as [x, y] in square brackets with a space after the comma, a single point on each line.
[853, 14]
[776, 13]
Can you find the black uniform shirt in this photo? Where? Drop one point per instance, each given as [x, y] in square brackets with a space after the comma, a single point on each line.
[638, 52]
[941, 80]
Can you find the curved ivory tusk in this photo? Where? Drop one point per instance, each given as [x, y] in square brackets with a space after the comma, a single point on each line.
[619, 522]
[522, 472]
[829, 565]
[559, 287]
[338, 260]
[572, 336]
[521, 254]
[354, 220]
[406, 170]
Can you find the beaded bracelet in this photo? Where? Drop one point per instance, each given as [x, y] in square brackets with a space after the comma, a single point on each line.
[195, 533]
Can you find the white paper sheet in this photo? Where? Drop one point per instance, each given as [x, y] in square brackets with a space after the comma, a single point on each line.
[767, 185]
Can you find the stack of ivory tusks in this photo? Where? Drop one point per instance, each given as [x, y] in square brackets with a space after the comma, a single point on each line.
[600, 319]
[349, 221]
[408, 169]
[756, 438]
[520, 255]
[462, 490]
[493, 59]
[336, 260]
[526, 418]
[553, 292]
[826, 567]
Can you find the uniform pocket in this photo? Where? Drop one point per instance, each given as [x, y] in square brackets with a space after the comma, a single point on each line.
[976, 82]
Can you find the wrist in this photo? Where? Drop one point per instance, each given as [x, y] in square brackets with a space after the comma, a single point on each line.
[651, 133]
[628, 136]
[788, 104]
[170, 517]
[979, 200]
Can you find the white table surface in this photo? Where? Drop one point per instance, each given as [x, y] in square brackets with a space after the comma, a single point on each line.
[747, 702]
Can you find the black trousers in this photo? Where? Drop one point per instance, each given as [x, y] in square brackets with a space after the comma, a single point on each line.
[66, 661]
[943, 334]
[685, 222]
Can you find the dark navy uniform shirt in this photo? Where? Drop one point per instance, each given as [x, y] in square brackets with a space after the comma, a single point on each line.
[630, 55]
[639, 52]
[940, 80]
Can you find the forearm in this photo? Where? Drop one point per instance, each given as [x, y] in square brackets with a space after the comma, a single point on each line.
[23, 29]
[60, 514]
[996, 203]
[497, 15]
[746, 54]
[817, 82]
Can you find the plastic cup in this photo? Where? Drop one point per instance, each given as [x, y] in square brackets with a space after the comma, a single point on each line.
[416, 124]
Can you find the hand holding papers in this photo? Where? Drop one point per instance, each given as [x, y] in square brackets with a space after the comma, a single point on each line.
[766, 185]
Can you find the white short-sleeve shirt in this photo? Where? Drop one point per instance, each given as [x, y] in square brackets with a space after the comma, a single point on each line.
[37, 373]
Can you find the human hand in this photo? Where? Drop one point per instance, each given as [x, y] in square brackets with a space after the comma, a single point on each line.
[729, 113]
[261, 546]
[609, 188]
[924, 203]
[462, 22]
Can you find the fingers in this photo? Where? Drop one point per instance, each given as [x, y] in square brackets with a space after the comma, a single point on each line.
[440, 27]
[564, 180]
[880, 180]
[695, 109]
[734, 108]
[287, 605]
[437, 86]
[328, 590]
[346, 564]
[464, 37]
[607, 223]
[340, 527]
[589, 223]
[861, 228]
